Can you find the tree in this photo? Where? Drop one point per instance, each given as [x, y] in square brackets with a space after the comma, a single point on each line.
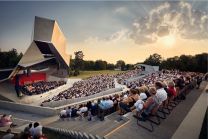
[197, 63]
[110, 66]
[78, 62]
[89, 65]
[120, 64]
[170, 63]
[100, 65]
[129, 67]
[10, 58]
[202, 62]
[154, 60]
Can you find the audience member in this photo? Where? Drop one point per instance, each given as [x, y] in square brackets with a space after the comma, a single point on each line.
[37, 130]
[8, 135]
[6, 120]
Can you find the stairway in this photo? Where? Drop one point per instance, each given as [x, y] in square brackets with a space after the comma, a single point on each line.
[95, 127]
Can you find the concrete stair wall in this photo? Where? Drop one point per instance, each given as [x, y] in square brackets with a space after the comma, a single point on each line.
[95, 126]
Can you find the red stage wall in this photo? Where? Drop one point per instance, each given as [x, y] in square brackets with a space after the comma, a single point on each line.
[33, 77]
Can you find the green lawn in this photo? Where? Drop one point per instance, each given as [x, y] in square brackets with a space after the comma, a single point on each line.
[87, 74]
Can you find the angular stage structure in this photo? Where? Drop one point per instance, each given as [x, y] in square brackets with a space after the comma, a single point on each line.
[46, 56]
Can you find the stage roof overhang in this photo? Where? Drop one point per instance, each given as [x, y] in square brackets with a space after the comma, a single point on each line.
[48, 42]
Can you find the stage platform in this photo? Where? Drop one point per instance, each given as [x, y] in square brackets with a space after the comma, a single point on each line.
[7, 92]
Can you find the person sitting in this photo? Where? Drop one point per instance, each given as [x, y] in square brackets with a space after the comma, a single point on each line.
[27, 134]
[153, 102]
[140, 103]
[128, 102]
[73, 112]
[160, 92]
[37, 131]
[68, 112]
[31, 129]
[149, 107]
[9, 134]
[152, 91]
[94, 108]
[6, 120]
[82, 109]
[171, 90]
[103, 104]
[27, 128]
[63, 114]
[109, 103]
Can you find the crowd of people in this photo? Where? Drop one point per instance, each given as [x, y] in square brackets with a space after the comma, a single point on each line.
[40, 87]
[32, 131]
[144, 95]
[122, 77]
[162, 76]
[93, 85]
[86, 87]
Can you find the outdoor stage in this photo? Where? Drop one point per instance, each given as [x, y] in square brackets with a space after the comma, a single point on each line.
[7, 91]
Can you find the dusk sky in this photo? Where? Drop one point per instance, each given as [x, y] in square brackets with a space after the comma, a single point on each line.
[112, 30]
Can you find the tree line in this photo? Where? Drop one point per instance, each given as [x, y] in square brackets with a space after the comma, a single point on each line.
[196, 63]
[100, 65]
[9, 59]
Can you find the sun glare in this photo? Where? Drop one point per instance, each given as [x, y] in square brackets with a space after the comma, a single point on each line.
[168, 41]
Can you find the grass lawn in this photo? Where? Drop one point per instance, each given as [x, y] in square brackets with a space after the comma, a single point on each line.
[87, 74]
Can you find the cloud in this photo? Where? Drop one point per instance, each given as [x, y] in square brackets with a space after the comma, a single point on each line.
[121, 10]
[117, 37]
[170, 18]
[120, 35]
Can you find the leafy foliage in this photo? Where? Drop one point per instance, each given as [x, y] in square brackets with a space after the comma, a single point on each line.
[153, 60]
[120, 64]
[197, 63]
[9, 59]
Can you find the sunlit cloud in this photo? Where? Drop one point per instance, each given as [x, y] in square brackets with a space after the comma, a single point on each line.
[167, 19]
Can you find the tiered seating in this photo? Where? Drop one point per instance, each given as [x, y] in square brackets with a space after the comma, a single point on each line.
[162, 111]
[40, 87]
[93, 85]
[184, 82]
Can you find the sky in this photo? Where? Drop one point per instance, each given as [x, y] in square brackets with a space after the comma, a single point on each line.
[112, 30]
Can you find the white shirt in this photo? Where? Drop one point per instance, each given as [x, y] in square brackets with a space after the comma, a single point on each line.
[83, 109]
[63, 113]
[31, 131]
[139, 105]
[109, 103]
[161, 95]
[38, 130]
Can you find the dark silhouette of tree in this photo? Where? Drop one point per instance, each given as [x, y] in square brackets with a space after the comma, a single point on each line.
[154, 60]
[89, 65]
[100, 65]
[110, 66]
[9, 59]
[120, 64]
[129, 67]
[197, 63]
[78, 62]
